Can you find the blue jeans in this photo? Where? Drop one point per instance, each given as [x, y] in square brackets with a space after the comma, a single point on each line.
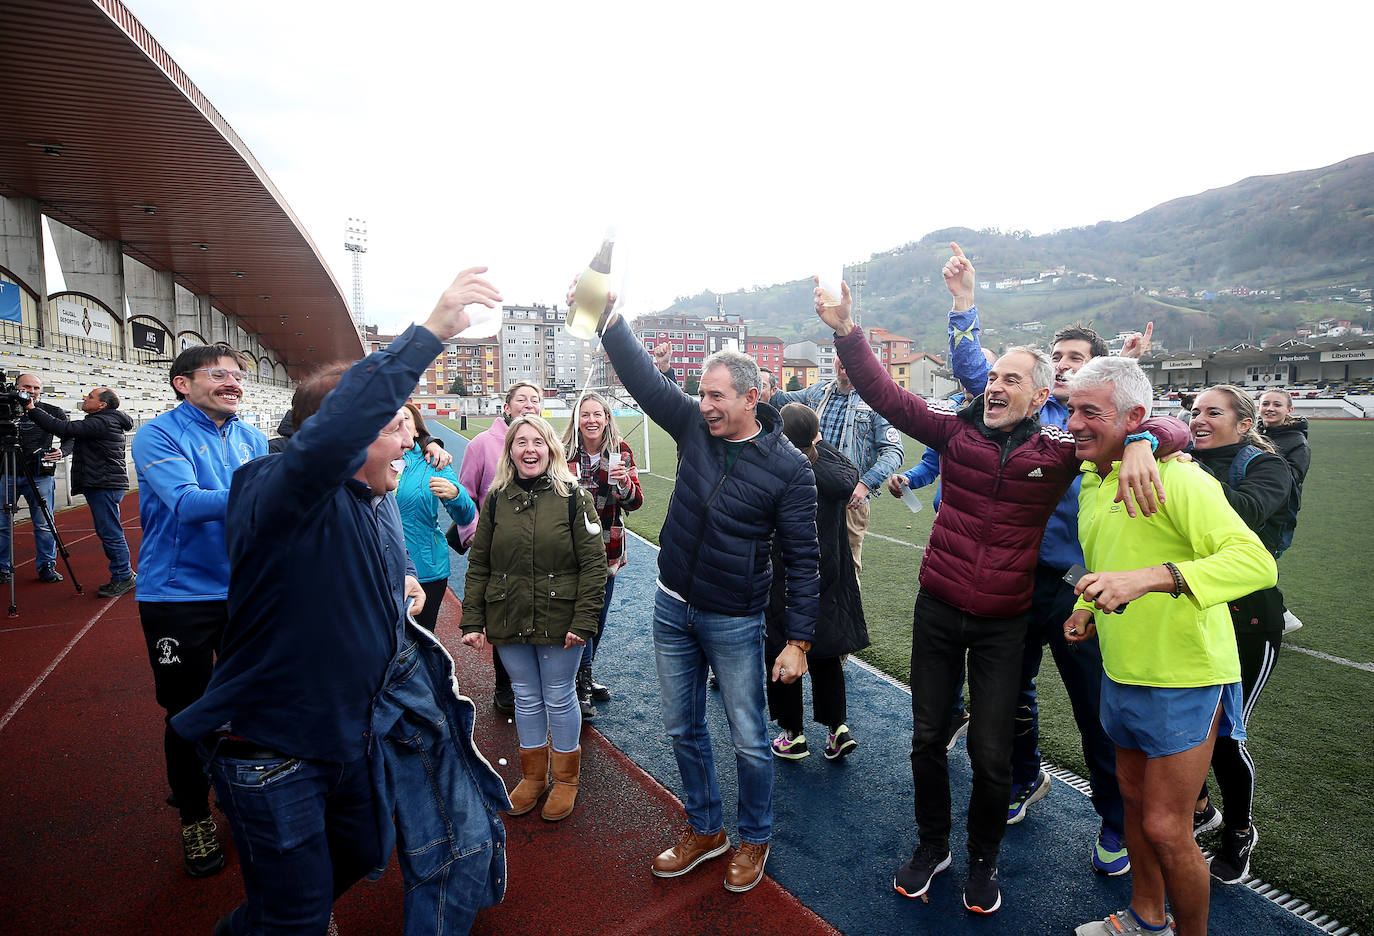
[43, 541]
[543, 678]
[1080, 666]
[306, 831]
[104, 504]
[589, 651]
[686, 641]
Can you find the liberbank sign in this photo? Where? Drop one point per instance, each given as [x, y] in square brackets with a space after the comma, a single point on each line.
[1359, 354]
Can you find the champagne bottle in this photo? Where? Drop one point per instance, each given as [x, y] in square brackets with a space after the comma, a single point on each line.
[589, 299]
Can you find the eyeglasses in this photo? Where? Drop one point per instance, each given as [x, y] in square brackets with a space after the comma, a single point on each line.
[219, 374]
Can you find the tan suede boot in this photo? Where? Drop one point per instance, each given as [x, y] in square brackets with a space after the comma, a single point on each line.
[567, 771]
[534, 765]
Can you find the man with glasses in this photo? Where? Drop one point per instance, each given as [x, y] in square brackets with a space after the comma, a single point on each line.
[39, 456]
[185, 459]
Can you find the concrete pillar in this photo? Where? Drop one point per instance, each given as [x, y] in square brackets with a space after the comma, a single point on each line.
[21, 248]
[151, 293]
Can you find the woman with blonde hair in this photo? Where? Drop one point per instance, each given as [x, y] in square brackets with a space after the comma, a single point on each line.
[604, 464]
[536, 575]
[1257, 483]
[420, 491]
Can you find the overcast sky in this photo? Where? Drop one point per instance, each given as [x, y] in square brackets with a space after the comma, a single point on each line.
[748, 143]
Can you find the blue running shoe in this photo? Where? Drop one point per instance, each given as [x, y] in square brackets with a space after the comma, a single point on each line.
[1109, 855]
[1023, 796]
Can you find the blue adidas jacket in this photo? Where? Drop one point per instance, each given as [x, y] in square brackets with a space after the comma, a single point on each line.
[184, 464]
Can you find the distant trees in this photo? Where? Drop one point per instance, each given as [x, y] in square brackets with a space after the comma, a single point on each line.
[794, 384]
[691, 386]
[458, 387]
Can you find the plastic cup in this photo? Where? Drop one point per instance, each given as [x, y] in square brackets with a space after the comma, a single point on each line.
[613, 461]
[911, 500]
[830, 285]
[484, 322]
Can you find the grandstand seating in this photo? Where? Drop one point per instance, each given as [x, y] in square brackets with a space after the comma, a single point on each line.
[142, 388]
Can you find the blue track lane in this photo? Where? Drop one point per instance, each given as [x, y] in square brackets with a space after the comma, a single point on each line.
[842, 829]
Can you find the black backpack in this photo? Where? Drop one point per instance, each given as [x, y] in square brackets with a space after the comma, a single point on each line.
[1289, 520]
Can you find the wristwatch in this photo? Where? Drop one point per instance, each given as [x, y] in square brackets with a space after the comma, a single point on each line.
[803, 645]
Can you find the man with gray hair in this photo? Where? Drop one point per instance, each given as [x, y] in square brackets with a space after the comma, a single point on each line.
[740, 484]
[1004, 474]
[1173, 673]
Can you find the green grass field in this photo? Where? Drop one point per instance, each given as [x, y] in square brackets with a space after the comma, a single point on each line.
[1310, 733]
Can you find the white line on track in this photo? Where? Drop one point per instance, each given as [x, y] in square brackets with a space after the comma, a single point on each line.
[19, 702]
[1367, 667]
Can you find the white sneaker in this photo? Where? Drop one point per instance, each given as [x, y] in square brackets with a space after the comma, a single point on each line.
[1290, 621]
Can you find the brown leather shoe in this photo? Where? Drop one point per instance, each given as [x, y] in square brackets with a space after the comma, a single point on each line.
[567, 773]
[746, 867]
[534, 768]
[691, 850]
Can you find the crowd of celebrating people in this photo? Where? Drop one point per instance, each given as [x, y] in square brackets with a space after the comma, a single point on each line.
[289, 602]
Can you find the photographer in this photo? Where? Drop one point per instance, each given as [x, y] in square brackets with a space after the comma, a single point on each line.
[98, 472]
[37, 455]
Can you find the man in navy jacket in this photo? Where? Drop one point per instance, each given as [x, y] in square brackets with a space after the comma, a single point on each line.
[316, 647]
[739, 484]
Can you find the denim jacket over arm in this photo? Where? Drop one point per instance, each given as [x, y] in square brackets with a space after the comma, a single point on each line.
[867, 439]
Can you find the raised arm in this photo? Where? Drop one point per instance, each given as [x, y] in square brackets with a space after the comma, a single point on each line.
[965, 349]
[662, 399]
[904, 409]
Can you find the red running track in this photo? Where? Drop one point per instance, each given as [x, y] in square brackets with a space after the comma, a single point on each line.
[88, 846]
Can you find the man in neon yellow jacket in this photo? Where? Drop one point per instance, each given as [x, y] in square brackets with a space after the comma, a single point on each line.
[1169, 651]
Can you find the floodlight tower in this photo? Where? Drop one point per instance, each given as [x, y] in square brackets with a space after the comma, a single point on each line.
[857, 278]
[355, 242]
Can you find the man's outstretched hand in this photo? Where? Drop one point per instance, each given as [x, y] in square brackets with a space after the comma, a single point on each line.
[450, 314]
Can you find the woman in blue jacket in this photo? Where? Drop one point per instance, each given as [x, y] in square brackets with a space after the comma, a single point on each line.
[420, 491]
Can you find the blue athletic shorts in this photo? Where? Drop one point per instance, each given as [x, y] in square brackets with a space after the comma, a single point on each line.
[1163, 721]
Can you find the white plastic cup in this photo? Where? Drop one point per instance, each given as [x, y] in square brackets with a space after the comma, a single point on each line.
[483, 322]
[911, 500]
[612, 461]
[830, 285]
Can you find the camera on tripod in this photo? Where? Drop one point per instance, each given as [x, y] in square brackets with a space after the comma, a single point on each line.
[13, 402]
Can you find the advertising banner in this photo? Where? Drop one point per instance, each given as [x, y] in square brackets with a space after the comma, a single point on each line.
[84, 320]
[1361, 354]
[10, 310]
[148, 338]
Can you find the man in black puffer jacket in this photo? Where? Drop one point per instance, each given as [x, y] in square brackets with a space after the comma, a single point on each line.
[739, 484]
[98, 471]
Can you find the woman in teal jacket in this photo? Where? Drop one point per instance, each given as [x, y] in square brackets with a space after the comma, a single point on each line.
[420, 491]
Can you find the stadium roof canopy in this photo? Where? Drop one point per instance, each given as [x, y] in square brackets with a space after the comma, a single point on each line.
[100, 126]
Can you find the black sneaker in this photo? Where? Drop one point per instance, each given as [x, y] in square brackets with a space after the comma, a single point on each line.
[1205, 819]
[600, 693]
[200, 849]
[503, 700]
[981, 893]
[115, 589]
[583, 685]
[1232, 861]
[913, 878]
[49, 574]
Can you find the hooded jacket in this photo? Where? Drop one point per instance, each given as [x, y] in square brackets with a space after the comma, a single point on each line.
[532, 578]
[98, 460]
[1291, 441]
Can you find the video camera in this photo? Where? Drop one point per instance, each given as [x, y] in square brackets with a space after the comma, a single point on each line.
[13, 404]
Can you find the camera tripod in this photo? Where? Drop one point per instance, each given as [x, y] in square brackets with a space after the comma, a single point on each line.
[12, 464]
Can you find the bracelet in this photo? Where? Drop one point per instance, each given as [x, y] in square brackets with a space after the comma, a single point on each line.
[1178, 578]
[1143, 437]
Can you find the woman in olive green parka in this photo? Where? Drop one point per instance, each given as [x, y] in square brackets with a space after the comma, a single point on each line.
[535, 583]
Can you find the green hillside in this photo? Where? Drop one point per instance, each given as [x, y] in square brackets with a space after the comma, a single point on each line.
[1301, 244]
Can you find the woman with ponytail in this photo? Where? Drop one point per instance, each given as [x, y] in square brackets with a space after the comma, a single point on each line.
[1257, 483]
